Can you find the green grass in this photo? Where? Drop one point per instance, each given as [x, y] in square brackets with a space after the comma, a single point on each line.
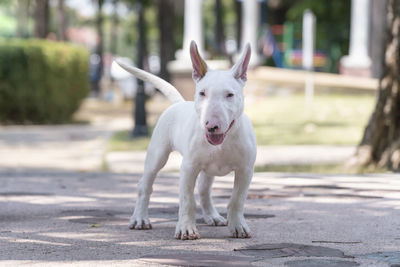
[333, 119]
[123, 141]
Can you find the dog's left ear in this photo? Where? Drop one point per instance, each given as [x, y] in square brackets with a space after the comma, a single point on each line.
[199, 65]
[239, 70]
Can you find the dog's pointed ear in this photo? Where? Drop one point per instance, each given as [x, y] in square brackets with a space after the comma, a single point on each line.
[199, 66]
[239, 70]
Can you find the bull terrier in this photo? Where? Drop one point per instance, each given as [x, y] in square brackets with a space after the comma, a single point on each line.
[214, 137]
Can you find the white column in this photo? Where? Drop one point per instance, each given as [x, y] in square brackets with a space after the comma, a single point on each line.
[358, 51]
[192, 29]
[250, 27]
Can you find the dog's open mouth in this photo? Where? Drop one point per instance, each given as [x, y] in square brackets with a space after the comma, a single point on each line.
[217, 139]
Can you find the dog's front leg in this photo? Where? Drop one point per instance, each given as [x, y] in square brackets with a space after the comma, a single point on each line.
[236, 223]
[210, 213]
[186, 226]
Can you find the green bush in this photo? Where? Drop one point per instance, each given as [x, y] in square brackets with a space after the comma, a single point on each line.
[41, 81]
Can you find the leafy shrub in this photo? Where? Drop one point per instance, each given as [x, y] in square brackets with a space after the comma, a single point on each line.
[41, 81]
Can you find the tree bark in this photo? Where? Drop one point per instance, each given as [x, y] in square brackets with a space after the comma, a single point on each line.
[140, 128]
[238, 11]
[380, 145]
[22, 18]
[377, 34]
[114, 29]
[61, 21]
[219, 28]
[41, 18]
[99, 46]
[166, 25]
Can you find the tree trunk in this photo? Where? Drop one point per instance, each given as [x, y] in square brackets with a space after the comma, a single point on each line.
[380, 144]
[377, 34]
[166, 26]
[22, 18]
[238, 10]
[140, 128]
[61, 21]
[99, 48]
[114, 29]
[219, 28]
[41, 18]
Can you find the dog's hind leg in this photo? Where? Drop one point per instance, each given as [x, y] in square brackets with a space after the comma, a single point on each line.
[156, 158]
[210, 213]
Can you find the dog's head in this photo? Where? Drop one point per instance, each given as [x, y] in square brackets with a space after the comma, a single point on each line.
[219, 94]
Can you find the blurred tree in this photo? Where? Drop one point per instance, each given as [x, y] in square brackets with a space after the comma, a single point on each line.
[98, 68]
[377, 34]
[61, 21]
[140, 128]
[22, 10]
[219, 28]
[380, 144]
[238, 10]
[41, 18]
[166, 25]
[114, 28]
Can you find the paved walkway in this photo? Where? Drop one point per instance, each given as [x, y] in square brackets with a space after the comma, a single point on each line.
[51, 217]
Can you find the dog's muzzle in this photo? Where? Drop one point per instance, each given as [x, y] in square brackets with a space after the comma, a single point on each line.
[217, 139]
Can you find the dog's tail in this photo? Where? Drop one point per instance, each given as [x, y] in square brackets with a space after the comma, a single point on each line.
[165, 87]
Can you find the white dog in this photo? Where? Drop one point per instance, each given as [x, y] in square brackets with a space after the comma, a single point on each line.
[213, 136]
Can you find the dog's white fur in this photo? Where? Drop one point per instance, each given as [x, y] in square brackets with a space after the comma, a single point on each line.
[191, 127]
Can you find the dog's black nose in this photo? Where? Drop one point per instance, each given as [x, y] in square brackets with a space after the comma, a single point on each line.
[213, 129]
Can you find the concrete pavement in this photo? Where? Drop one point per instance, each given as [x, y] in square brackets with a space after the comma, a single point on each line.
[61, 217]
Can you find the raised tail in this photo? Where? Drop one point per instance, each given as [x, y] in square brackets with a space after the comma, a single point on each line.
[165, 87]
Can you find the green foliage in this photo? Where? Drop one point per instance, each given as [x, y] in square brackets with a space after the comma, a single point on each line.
[41, 81]
[333, 25]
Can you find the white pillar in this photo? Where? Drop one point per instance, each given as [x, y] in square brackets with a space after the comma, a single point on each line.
[358, 51]
[308, 42]
[308, 54]
[250, 28]
[192, 29]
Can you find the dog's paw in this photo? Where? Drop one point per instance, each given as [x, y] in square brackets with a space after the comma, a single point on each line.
[139, 223]
[186, 232]
[215, 220]
[239, 228]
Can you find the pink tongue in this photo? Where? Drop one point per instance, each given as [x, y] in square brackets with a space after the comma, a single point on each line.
[215, 139]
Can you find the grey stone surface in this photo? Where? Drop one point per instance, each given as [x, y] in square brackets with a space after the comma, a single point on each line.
[282, 250]
[321, 263]
[52, 217]
[391, 257]
[197, 259]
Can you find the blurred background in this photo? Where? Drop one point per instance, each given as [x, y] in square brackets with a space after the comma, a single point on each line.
[311, 87]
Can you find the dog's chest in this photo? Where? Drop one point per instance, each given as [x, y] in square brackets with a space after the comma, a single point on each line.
[219, 162]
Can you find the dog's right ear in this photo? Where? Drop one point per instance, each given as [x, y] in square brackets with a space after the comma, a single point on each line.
[239, 70]
[199, 66]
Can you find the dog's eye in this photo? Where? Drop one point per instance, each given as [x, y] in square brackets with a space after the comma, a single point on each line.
[202, 93]
[229, 95]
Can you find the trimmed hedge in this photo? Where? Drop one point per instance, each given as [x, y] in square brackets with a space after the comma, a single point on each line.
[41, 81]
